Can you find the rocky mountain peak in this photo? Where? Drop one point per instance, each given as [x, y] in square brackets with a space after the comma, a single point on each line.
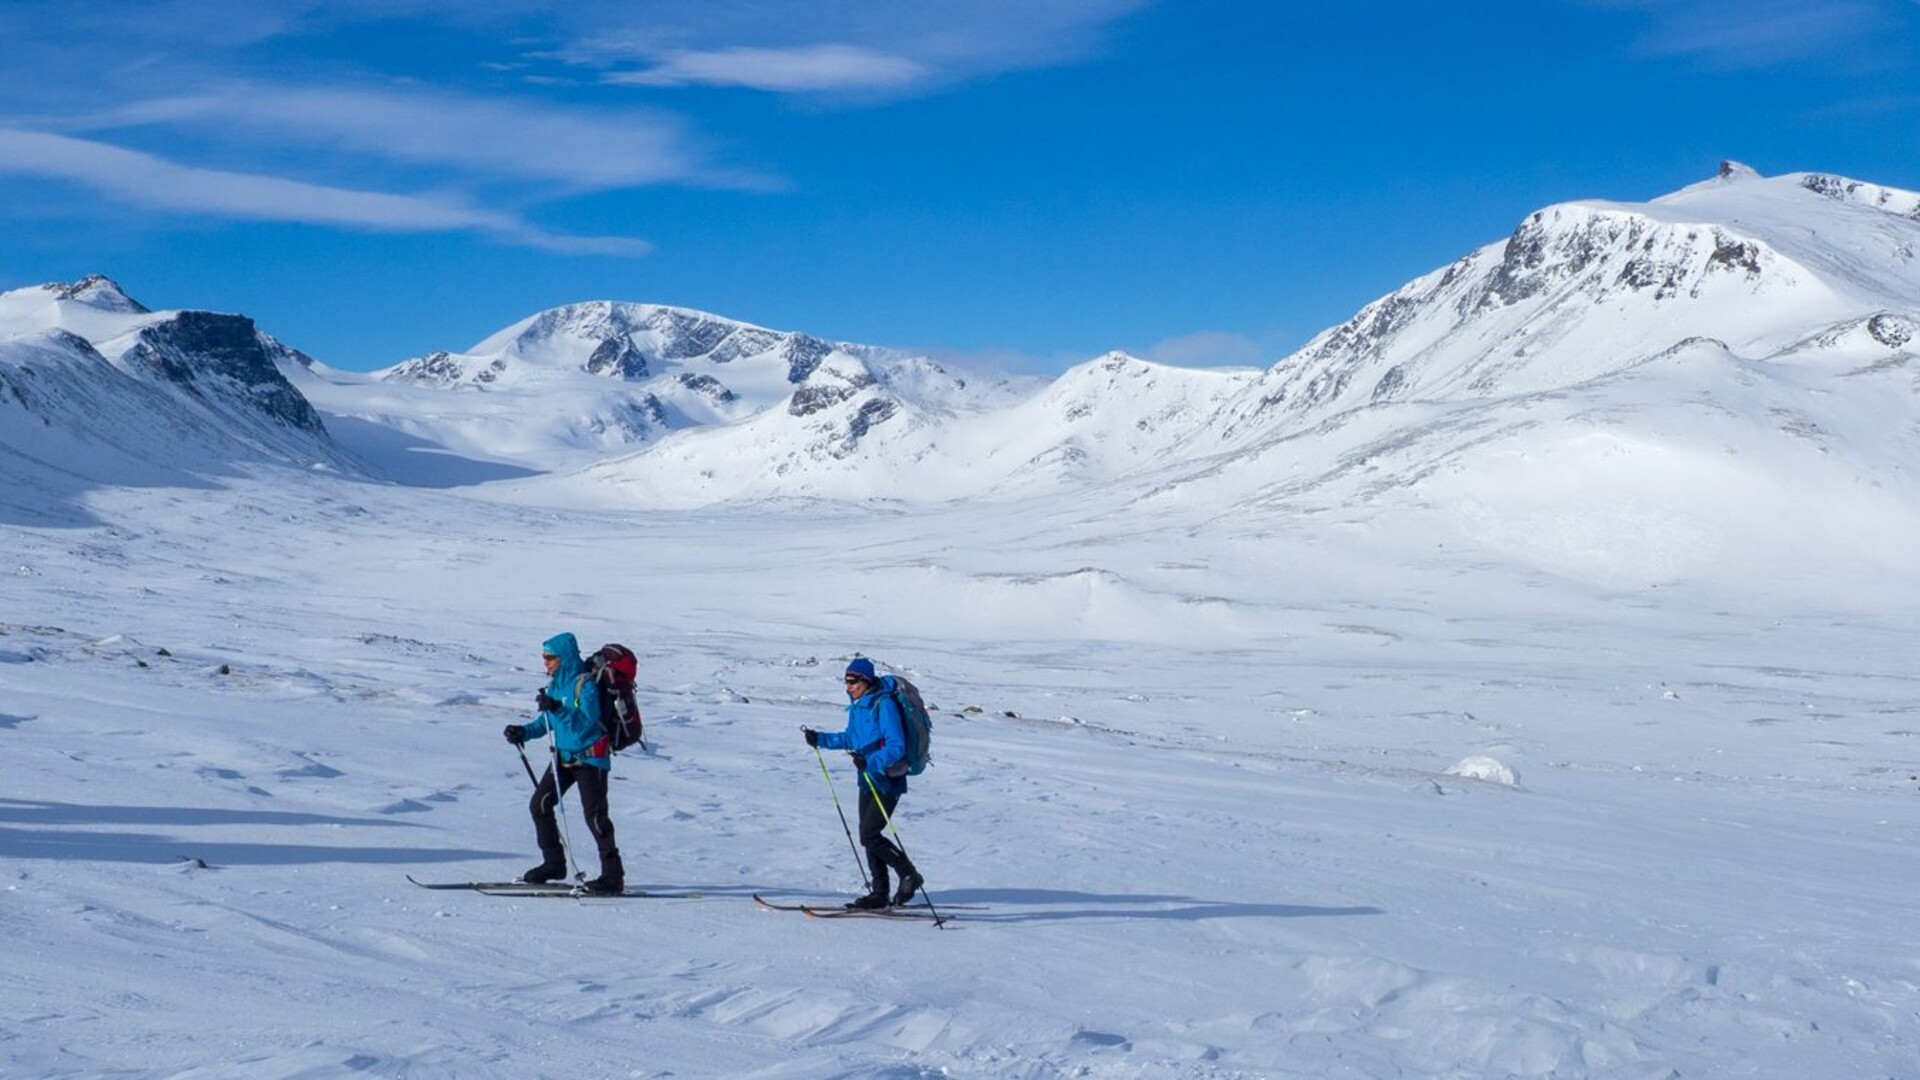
[100, 292]
[216, 356]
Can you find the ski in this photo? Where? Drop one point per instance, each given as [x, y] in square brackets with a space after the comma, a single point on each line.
[911, 912]
[771, 906]
[475, 886]
[583, 894]
[547, 888]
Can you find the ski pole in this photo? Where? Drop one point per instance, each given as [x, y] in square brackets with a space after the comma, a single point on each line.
[528, 765]
[560, 807]
[857, 861]
[939, 922]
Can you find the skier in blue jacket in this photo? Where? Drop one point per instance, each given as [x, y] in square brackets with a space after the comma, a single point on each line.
[570, 708]
[876, 737]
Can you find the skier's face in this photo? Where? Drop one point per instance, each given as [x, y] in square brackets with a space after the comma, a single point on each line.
[856, 686]
[549, 661]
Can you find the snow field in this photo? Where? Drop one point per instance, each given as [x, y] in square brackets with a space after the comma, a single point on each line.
[1214, 838]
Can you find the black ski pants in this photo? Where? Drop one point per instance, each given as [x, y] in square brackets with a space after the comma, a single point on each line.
[882, 853]
[592, 782]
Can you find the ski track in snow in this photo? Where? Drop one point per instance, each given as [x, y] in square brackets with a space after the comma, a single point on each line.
[1215, 839]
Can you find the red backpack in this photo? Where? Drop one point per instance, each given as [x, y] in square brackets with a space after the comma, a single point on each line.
[612, 669]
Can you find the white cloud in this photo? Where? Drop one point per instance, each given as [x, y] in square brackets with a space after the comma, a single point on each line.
[799, 69]
[264, 89]
[864, 46]
[1759, 33]
[139, 179]
[486, 138]
[1208, 348]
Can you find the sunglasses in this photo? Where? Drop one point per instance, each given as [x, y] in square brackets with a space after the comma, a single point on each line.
[855, 680]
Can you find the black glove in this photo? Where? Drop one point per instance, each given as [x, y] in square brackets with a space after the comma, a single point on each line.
[547, 702]
[813, 737]
[860, 761]
[516, 734]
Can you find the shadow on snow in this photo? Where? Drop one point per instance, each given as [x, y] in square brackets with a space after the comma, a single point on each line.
[1077, 905]
[1067, 905]
[37, 841]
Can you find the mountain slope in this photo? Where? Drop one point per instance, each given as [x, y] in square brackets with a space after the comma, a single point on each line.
[1586, 289]
[564, 388]
[1733, 354]
[853, 439]
[96, 386]
[1718, 290]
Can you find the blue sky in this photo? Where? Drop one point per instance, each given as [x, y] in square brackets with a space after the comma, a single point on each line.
[1021, 184]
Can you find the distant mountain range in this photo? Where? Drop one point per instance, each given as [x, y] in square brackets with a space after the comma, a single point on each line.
[1746, 335]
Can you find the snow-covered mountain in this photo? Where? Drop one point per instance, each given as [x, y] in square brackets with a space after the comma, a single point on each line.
[1729, 332]
[570, 386]
[1771, 267]
[93, 385]
[635, 343]
[669, 406]
[1731, 353]
[1100, 420]
[1623, 390]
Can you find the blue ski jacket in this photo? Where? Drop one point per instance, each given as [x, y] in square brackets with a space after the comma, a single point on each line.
[876, 730]
[577, 733]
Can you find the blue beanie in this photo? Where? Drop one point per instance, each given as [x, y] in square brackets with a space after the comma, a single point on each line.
[862, 667]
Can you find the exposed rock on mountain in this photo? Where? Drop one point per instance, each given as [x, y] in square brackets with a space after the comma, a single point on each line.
[226, 362]
[102, 387]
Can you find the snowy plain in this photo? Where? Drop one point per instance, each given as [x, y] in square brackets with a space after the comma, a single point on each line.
[1212, 800]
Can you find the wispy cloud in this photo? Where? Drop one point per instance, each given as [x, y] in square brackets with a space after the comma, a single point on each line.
[1755, 34]
[486, 138]
[867, 48]
[139, 179]
[802, 69]
[298, 110]
[1209, 348]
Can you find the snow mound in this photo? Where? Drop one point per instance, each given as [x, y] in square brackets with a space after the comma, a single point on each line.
[1481, 767]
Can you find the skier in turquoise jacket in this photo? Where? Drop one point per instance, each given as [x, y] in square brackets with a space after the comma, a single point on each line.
[569, 709]
[876, 737]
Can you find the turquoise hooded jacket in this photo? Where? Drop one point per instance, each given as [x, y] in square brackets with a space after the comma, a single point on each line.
[577, 732]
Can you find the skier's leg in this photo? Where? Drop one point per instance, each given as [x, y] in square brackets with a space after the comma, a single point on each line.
[880, 851]
[910, 879]
[593, 802]
[553, 859]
